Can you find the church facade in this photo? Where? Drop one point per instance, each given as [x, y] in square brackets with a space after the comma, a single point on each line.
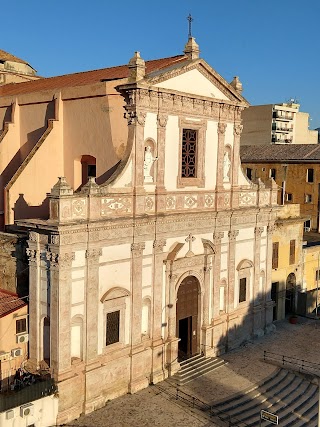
[168, 257]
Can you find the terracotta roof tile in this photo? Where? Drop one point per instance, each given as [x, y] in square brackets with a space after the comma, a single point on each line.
[5, 56]
[9, 302]
[85, 78]
[291, 153]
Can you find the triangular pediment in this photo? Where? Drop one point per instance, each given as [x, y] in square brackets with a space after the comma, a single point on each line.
[196, 78]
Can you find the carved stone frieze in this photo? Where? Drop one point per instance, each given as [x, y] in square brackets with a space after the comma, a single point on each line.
[186, 263]
[112, 205]
[55, 239]
[62, 260]
[247, 198]
[149, 204]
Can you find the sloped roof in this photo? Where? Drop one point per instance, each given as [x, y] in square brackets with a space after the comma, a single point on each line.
[291, 153]
[9, 302]
[86, 77]
[5, 56]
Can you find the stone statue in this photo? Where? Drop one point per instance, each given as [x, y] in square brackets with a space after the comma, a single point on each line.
[226, 167]
[148, 162]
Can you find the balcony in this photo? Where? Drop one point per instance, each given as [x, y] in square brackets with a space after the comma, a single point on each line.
[281, 115]
[278, 128]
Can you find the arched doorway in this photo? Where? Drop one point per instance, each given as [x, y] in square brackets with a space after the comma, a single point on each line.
[290, 306]
[187, 317]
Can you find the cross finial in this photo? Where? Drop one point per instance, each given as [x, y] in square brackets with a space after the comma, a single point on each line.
[189, 240]
[190, 19]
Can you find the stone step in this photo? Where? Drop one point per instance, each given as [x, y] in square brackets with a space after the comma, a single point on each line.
[290, 396]
[194, 368]
[241, 399]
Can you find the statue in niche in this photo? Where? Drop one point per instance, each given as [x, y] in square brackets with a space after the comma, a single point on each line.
[226, 167]
[148, 162]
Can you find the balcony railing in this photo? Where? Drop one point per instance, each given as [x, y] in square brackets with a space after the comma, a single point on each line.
[282, 116]
[13, 398]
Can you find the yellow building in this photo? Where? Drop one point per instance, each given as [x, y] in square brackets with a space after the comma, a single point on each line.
[296, 170]
[287, 270]
[310, 298]
[13, 335]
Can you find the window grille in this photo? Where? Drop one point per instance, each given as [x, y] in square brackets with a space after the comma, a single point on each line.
[113, 327]
[189, 153]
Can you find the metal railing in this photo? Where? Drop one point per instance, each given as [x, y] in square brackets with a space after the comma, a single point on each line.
[300, 365]
[12, 399]
[196, 403]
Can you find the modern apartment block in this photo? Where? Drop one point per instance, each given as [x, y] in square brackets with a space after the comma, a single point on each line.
[276, 124]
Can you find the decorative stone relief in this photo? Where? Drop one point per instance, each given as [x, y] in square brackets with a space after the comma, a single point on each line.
[209, 200]
[190, 202]
[237, 130]
[162, 120]
[116, 204]
[55, 239]
[247, 199]
[271, 229]
[226, 167]
[221, 129]
[258, 231]
[149, 204]
[190, 239]
[33, 255]
[170, 202]
[158, 245]
[232, 234]
[93, 253]
[137, 249]
[78, 207]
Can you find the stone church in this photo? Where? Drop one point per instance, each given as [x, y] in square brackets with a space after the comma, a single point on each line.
[155, 246]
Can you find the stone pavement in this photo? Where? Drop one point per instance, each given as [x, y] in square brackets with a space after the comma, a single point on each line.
[245, 367]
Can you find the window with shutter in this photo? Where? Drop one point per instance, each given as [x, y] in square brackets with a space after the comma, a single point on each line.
[292, 252]
[275, 254]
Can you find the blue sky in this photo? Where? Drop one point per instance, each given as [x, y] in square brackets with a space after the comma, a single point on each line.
[273, 46]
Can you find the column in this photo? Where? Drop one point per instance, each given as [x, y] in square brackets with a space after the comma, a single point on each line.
[206, 325]
[92, 300]
[172, 344]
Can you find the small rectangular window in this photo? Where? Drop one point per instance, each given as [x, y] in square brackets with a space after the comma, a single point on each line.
[92, 171]
[310, 176]
[292, 252]
[21, 326]
[308, 198]
[289, 197]
[275, 254]
[189, 154]
[273, 173]
[307, 225]
[113, 327]
[249, 173]
[317, 275]
[243, 290]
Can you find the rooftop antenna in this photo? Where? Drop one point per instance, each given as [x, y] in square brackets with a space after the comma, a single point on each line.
[190, 19]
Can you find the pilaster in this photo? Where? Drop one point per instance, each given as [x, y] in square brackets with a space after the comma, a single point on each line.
[136, 286]
[256, 297]
[231, 266]
[221, 138]
[237, 130]
[92, 298]
[162, 120]
[60, 309]
[33, 253]
[217, 237]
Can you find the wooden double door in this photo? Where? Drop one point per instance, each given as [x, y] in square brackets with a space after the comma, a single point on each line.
[187, 317]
